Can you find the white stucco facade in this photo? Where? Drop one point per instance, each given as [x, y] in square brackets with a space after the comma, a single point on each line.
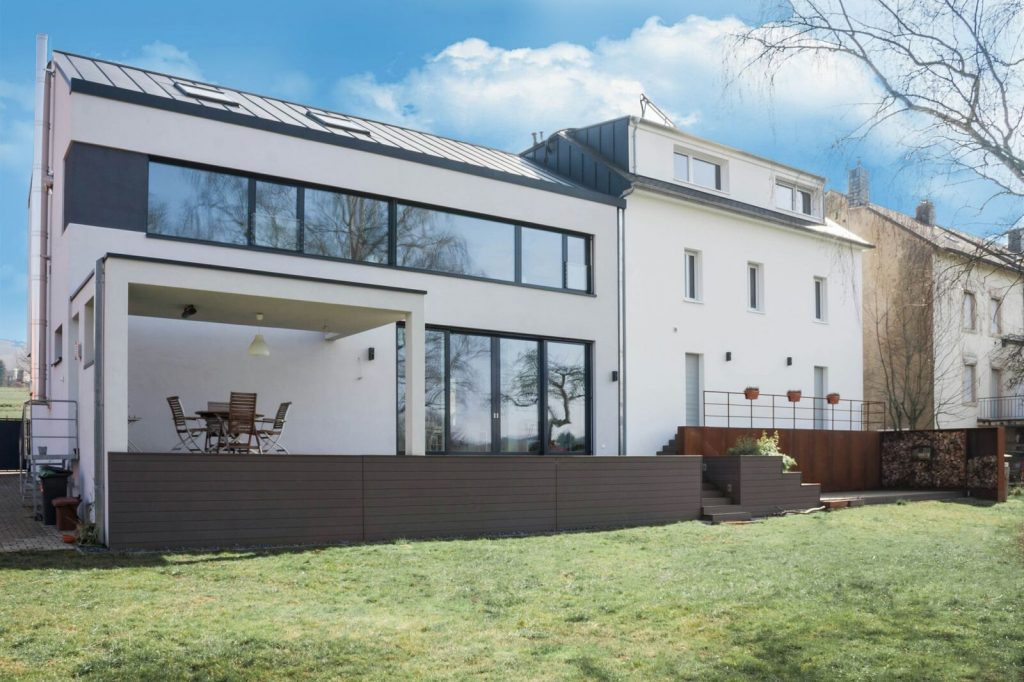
[736, 346]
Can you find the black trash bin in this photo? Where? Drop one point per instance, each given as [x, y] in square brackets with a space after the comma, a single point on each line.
[53, 483]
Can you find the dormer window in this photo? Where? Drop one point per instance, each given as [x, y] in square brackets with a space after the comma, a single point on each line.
[697, 171]
[791, 198]
[207, 92]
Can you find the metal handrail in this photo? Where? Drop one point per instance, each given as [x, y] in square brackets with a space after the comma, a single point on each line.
[772, 410]
[63, 443]
[1002, 408]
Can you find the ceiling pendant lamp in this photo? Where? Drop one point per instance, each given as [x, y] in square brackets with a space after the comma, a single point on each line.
[259, 346]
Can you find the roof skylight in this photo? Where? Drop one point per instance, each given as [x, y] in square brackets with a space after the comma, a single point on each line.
[332, 121]
[206, 92]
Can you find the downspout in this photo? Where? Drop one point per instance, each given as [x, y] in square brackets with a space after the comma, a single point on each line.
[621, 237]
[41, 190]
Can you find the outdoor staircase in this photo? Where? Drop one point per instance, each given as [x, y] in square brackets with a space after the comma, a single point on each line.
[669, 448]
[717, 507]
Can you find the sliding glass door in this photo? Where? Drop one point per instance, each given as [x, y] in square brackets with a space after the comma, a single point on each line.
[488, 394]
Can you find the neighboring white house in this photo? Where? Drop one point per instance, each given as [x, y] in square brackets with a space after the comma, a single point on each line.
[943, 311]
[168, 214]
[733, 278]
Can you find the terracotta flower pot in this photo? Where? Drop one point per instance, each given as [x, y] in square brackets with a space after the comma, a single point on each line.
[794, 396]
[832, 398]
[751, 392]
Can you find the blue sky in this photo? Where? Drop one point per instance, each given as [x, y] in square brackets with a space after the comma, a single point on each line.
[489, 72]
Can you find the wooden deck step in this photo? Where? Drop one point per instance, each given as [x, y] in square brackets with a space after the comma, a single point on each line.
[712, 509]
[713, 500]
[729, 516]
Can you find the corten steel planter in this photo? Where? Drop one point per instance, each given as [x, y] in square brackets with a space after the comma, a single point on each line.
[751, 393]
[832, 398]
[794, 396]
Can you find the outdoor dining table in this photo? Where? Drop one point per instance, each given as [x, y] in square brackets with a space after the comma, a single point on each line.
[218, 419]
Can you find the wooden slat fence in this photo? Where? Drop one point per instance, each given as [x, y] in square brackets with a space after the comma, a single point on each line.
[163, 500]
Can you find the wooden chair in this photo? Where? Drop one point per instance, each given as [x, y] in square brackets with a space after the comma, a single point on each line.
[241, 432]
[187, 434]
[271, 430]
[216, 427]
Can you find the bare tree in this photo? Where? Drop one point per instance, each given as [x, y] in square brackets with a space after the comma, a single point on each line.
[952, 70]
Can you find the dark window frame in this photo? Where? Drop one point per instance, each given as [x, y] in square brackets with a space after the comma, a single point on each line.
[542, 383]
[392, 256]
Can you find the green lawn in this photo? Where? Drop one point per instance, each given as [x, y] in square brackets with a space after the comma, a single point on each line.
[921, 591]
[10, 401]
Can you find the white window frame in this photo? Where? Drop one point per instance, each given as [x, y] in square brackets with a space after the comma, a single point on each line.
[758, 282]
[795, 190]
[723, 177]
[821, 306]
[970, 390]
[696, 270]
[995, 318]
[972, 324]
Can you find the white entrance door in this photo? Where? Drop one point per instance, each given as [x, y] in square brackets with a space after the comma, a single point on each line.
[693, 382]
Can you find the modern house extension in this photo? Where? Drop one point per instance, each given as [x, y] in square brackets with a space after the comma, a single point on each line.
[733, 278]
[404, 292]
[942, 308]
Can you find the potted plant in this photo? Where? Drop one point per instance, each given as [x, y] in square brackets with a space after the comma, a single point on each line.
[832, 398]
[751, 392]
[794, 396]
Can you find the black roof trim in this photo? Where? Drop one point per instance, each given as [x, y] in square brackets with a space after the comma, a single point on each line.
[111, 92]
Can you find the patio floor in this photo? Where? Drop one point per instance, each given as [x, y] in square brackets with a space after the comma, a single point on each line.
[18, 530]
[893, 496]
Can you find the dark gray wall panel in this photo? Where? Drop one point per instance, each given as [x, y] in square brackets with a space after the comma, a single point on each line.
[105, 187]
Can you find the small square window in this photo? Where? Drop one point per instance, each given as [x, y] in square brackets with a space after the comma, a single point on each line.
[707, 174]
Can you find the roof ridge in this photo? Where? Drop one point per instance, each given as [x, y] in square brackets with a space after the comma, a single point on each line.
[299, 104]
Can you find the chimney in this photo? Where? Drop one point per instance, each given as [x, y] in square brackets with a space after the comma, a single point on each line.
[926, 212]
[1013, 239]
[859, 186]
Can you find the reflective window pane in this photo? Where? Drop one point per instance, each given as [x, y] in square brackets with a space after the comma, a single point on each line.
[434, 389]
[520, 395]
[542, 257]
[275, 221]
[198, 204]
[567, 397]
[345, 226]
[805, 202]
[706, 174]
[447, 242]
[577, 274]
[470, 399]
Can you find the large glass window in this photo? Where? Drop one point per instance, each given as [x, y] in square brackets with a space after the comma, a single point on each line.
[567, 397]
[520, 395]
[346, 226]
[542, 257]
[449, 242]
[198, 204]
[275, 220]
[504, 395]
[470, 400]
[227, 208]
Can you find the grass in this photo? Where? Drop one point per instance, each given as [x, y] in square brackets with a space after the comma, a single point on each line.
[923, 591]
[11, 399]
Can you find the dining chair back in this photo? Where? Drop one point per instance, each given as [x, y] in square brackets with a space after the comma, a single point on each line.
[186, 434]
[271, 430]
[242, 423]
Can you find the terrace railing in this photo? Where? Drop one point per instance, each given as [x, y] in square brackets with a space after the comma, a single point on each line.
[1005, 408]
[775, 411]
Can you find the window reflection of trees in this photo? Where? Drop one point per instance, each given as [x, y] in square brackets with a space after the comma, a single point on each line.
[424, 242]
[275, 220]
[346, 226]
[567, 395]
[187, 202]
[470, 380]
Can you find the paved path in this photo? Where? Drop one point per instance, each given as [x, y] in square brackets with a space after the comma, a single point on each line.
[18, 530]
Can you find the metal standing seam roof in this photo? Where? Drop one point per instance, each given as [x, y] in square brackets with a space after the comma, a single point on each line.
[153, 86]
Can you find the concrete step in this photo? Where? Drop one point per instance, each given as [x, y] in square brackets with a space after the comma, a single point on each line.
[728, 516]
[711, 509]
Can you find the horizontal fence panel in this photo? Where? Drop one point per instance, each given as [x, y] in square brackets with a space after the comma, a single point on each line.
[162, 500]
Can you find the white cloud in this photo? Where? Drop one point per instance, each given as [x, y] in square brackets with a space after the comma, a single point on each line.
[478, 91]
[166, 58]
